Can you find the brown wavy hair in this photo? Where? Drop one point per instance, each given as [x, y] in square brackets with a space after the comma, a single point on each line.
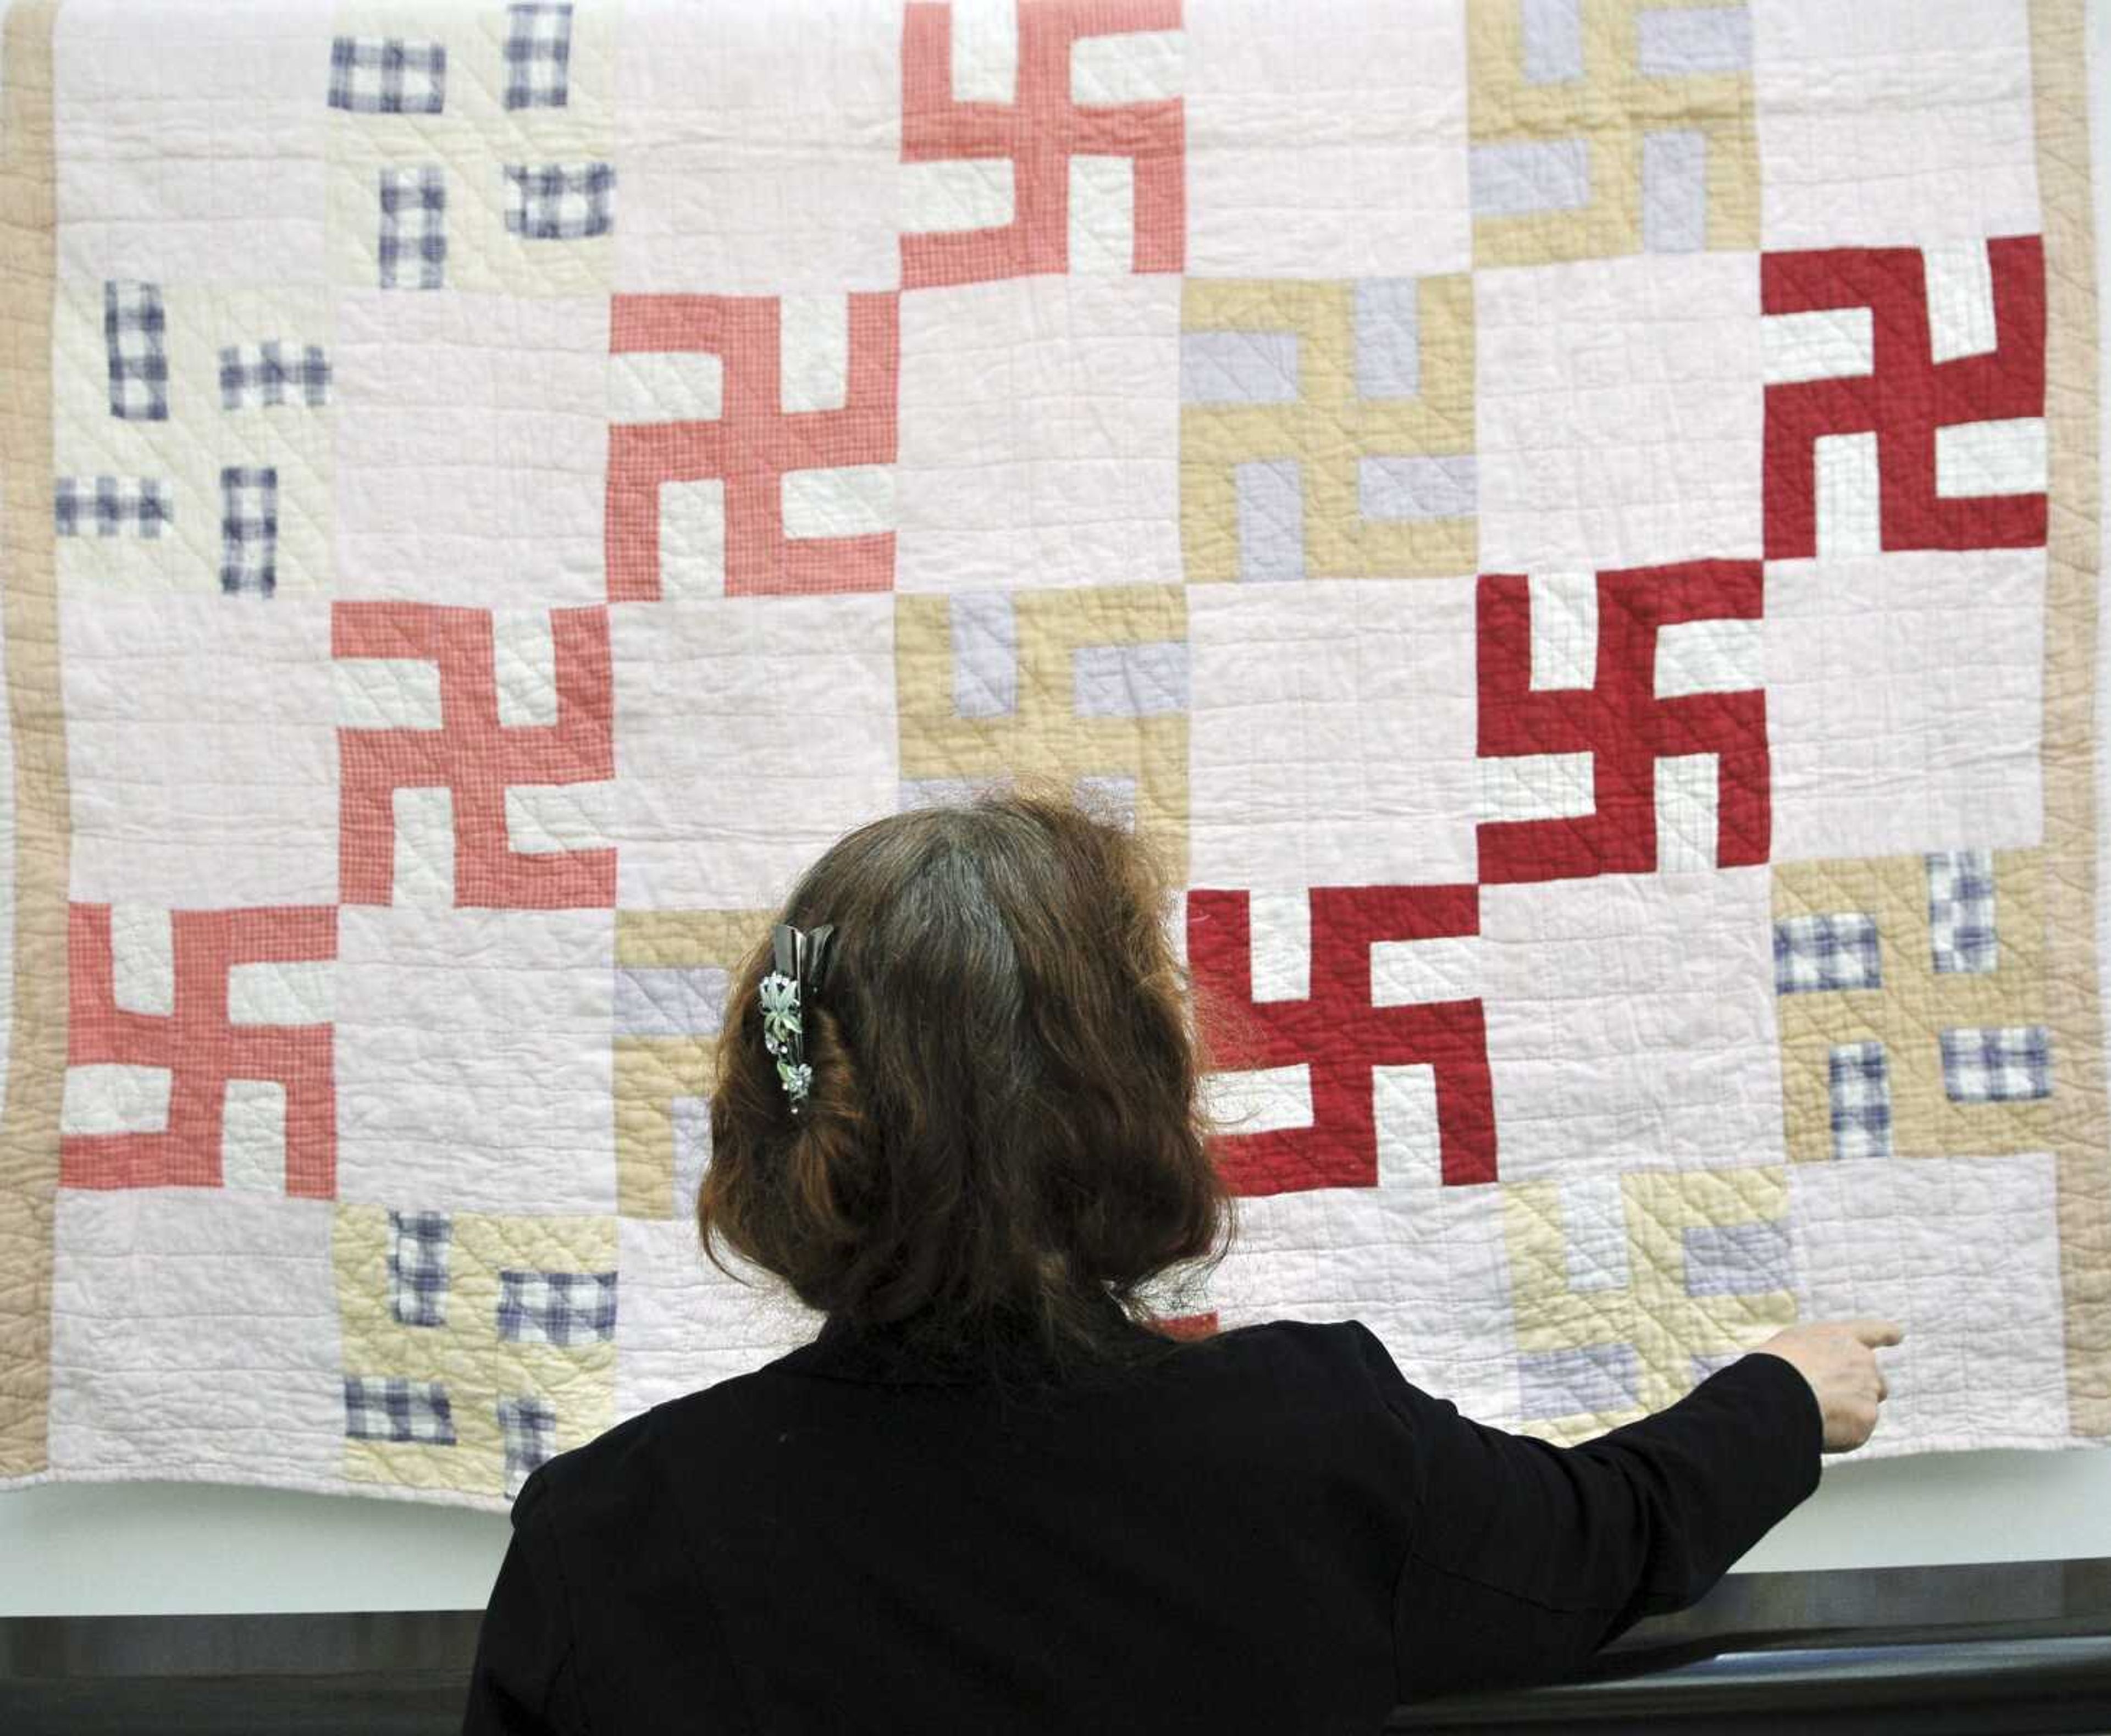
[1003, 1133]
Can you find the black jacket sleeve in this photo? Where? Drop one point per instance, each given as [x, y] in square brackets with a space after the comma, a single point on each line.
[1525, 1557]
[524, 1682]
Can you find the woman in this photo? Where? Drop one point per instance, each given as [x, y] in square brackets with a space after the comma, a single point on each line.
[956, 1111]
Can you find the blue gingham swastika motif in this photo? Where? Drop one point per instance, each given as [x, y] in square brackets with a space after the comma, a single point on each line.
[389, 1408]
[1861, 1097]
[413, 248]
[1828, 952]
[134, 336]
[529, 1426]
[260, 376]
[418, 1243]
[386, 75]
[1997, 1065]
[538, 53]
[562, 1308]
[112, 505]
[249, 528]
[1960, 910]
[559, 202]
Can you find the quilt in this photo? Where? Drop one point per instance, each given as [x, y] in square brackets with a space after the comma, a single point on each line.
[1574, 524]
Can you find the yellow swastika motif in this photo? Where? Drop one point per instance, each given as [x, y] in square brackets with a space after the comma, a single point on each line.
[1609, 128]
[1326, 429]
[1628, 1289]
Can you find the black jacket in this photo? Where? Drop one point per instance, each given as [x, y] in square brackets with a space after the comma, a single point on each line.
[1283, 1538]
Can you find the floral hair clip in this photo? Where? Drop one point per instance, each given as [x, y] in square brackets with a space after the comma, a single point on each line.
[801, 962]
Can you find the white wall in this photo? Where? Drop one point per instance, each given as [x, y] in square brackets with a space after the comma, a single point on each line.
[138, 1548]
[150, 1547]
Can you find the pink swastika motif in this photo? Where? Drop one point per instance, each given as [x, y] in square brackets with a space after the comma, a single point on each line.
[1336, 1032]
[201, 1049]
[751, 445]
[1038, 135]
[1621, 722]
[474, 756]
[1905, 397]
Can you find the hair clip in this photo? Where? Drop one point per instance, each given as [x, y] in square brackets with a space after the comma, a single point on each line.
[801, 960]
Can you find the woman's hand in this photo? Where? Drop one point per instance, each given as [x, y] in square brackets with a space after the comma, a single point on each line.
[1838, 1358]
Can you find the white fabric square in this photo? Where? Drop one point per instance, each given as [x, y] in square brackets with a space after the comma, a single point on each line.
[1040, 434]
[192, 140]
[1279, 945]
[1688, 812]
[1977, 458]
[114, 1097]
[1332, 738]
[142, 959]
[693, 540]
[1564, 630]
[471, 451]
[1619, 412]
[1894, 123]
[1890, 1240]
[472, 1059]
[1632, 1017]
[1128, 67]
[252, 1136]
[1327, 139]
[188, 1305]
[684, 1324]
[813, 352]
[774, 153]
[201, 751]
[726, 711]
[1102, 215]
[1421, 1265]
[1960, 299]
[1885, 736]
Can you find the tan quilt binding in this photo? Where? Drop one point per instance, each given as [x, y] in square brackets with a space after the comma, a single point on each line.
[2060, 93]
[36, 1047]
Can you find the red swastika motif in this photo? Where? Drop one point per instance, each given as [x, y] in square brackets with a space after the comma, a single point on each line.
[1340, 1036]
[1039, 134]
[474, 756]
[1622, 724]
[201, 1049]
[1905, 397]
[751, 445]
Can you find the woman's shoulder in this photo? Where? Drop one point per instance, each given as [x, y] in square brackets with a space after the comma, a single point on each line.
[604, 1470]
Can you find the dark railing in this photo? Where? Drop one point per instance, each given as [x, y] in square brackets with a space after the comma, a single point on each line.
[2017, 1647]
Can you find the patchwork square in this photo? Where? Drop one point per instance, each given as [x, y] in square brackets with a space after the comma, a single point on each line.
[1326, 429]
[520, 1367]
[1961, 910]
[386, 76]
[561, 1308]
[418, 1267]
[133, 326]
[538, 52]
[1998, 1065]
[111, 506]
[530, 1426]
[413, 239]
[1968, 1061]
[1826, 953]
[249, 528]
[559, 202]
[388, 1408]
[1605, 127]
[1861, 1094]
[263, 375]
